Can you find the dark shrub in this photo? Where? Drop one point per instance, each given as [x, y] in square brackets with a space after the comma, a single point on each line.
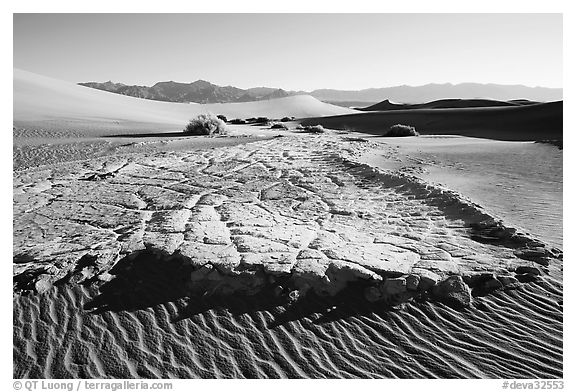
[286, 119]
[222, 117]
[401, 130]
[278, 126]
[314, 129]
[237, 121]
[205, 124]
[258, 120]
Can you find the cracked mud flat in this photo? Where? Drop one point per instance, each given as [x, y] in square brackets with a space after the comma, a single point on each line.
[280, 258]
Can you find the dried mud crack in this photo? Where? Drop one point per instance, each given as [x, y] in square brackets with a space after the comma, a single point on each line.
[293, 216]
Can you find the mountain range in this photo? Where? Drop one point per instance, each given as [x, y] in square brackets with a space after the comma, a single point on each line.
[199, 91]
[202, 91]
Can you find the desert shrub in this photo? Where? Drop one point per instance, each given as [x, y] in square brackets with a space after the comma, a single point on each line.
[286, 119]
[279, 126]
[205, 124]
[258, 120]
[237, 121]
[402, 130]
[314, 129]
[222, 117]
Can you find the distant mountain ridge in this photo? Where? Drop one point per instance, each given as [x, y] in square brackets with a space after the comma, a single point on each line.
[202, 91]
[199, 91]
[434, 92]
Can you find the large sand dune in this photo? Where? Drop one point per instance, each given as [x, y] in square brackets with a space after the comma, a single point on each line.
[44, 102]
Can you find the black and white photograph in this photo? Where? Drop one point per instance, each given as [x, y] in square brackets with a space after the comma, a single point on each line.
[311, 195]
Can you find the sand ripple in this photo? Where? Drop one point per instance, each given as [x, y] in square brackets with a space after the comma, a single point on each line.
[515, 334]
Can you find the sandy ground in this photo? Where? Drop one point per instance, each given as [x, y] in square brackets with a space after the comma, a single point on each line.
[510, 334]
[519, 182]
[37, 147]
[301, 208]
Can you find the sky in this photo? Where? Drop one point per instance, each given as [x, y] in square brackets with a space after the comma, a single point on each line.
[293, 51]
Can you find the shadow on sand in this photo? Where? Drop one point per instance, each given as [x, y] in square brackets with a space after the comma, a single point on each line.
[141, 280]
[145, 279]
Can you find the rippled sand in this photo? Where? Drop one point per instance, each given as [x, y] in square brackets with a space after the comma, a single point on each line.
[515, 334]
[520, 182]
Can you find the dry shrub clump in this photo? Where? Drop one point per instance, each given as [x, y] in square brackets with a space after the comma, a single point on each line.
[401, 130]
[314, 129]
[206, 124]
[279, 126]
[237, 121]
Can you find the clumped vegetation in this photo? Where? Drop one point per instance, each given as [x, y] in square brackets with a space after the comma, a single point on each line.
[262, 120]
[279, 126]
[286, 119]
[258, 120]
[401, 130]
[222, 117]
[314, 129]
[237, 121]
[205, 124]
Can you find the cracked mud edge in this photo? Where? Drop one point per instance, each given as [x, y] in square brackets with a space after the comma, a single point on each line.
[294, 284]
[151, 276]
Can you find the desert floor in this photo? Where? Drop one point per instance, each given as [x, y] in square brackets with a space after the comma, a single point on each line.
[281, 254]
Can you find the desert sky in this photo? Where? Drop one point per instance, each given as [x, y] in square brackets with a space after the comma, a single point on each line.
[293, 51]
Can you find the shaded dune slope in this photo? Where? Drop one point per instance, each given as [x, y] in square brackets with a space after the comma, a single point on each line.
[526, 122]
[444, 104]
[49, 103]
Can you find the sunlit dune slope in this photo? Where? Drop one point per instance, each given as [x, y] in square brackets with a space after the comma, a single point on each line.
[45, 102]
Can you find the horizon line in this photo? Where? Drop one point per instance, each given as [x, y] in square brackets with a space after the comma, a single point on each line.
[301, 90]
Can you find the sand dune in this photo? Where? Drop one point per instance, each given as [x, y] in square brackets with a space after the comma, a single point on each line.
[49, 103]
[444, 104]
[526, 122]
